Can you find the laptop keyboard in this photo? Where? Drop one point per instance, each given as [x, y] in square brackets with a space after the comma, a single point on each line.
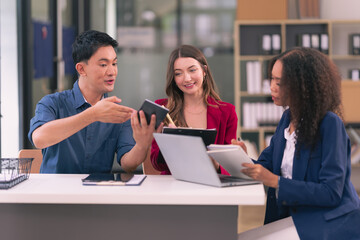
[226, 179]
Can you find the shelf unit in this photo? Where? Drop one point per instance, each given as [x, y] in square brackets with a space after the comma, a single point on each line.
[247, 48]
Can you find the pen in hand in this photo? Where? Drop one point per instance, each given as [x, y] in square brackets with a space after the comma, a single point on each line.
[169, 118]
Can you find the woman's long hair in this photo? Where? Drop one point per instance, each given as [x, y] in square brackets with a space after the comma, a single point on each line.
[311, 86]
[175, 95]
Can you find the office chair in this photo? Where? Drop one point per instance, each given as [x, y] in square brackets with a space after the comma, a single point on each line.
[32, 153]
[147, 167]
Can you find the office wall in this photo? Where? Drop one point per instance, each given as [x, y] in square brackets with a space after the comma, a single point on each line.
[9, 80]
[335, 9]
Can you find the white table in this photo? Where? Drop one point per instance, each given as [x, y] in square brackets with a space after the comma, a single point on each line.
[58, 206]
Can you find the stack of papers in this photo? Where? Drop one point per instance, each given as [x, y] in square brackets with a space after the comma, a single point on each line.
[230, 157]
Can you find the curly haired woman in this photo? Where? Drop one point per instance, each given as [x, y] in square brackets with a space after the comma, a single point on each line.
[307, 165]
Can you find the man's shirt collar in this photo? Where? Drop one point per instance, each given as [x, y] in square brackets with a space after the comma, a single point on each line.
[79, 97]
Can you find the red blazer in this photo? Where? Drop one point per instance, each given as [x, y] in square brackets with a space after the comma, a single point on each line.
[223, 118]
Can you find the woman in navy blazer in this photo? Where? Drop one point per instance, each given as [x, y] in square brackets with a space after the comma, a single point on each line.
[307, 165]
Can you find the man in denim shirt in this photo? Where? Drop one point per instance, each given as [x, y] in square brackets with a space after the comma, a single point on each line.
[79, 130]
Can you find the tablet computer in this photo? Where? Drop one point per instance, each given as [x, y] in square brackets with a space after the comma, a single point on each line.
[150, 108]
[208, 135]
[113, 179]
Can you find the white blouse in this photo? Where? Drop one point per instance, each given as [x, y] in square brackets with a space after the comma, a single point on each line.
[288, 158]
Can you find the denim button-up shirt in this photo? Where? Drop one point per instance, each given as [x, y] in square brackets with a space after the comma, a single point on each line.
[92, 149]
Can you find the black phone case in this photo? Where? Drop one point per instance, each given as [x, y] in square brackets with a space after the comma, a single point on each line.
[150, 108]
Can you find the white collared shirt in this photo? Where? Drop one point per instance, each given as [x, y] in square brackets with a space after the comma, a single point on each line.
[288, 158]
[89, 103]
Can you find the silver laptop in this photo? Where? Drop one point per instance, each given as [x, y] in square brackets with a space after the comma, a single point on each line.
[188, 160]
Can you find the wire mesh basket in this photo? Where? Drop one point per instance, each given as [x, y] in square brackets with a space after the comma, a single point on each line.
[13, 171]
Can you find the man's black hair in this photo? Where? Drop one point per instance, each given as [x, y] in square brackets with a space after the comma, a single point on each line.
[88, 42]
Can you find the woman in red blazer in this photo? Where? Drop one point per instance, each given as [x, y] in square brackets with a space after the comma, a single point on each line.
[193, 101]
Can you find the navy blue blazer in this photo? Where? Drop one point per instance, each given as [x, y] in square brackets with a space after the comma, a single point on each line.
[320, 197]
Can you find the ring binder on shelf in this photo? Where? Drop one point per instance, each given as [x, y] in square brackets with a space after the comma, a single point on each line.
[304, 40]
[266, 44]
[324, 43]
[315, 41]
[276, 44]
[354, 74]
[354, 44]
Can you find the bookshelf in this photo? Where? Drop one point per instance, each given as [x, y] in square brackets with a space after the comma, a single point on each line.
[250, 48]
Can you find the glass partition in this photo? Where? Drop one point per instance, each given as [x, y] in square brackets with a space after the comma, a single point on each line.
[148, 31]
